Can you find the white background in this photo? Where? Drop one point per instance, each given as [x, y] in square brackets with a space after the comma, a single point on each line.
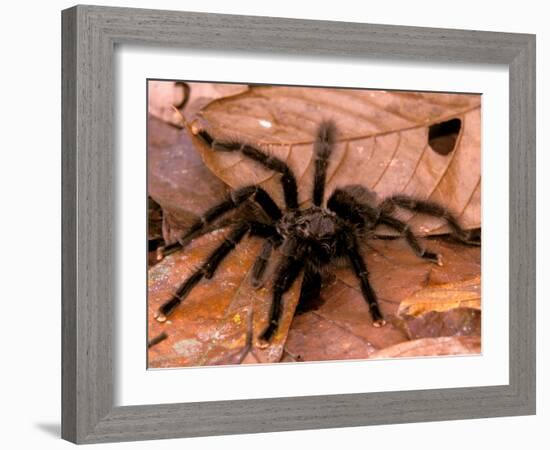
[30, 186]
[135, 386]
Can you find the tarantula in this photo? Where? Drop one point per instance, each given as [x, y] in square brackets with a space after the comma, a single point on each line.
[309, 238]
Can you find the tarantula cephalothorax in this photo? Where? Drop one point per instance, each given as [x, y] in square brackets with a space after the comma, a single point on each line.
[309, 238]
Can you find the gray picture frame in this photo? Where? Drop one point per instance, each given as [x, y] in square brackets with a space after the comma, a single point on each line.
[90, 34]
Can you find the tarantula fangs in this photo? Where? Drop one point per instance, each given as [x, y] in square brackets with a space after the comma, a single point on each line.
[310, 238]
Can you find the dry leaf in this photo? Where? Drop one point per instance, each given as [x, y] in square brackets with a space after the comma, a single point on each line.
[154, 230]
[341, 326]
[443, 297]
[154, 215]
[454, 322]
[383, 143]
[220, 320]
[441, 346]
[448, 309]
[163, 97]
[201, 94]
[166, 97]
[177, 178]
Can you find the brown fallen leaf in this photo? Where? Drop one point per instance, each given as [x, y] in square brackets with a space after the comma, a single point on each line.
[220, 320]
[154, 230]
[454, 322]
[154, 214]
[443, 297]
[177, 178]
[166, 97]
[201, 94]
[163, 96]
[448, 309]
[440, 346]
[315, 339]
[218, 323]
[383, 143]
[341, 326]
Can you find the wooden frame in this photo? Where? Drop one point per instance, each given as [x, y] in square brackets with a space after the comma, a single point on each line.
[89, 37]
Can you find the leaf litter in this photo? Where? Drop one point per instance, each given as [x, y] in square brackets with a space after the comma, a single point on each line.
[432, 310]
[383, 144]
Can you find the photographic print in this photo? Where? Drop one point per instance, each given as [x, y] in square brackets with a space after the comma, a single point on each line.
[291, 224]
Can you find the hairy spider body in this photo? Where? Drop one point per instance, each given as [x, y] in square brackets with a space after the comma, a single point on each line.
[314, 227]
[309, 239]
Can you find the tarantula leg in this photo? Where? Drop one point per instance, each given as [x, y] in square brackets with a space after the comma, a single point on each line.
[360, 269]
[168, 250]
[288, 180]
[431, 209]
[411, 239]
[229, 243]
[206, 270]
[322, 149]
[260, 264]
[234, 200]
[169, 307]
[274, 239]
[346, 206]
[289, 269]
[311, 289]
[270, 233]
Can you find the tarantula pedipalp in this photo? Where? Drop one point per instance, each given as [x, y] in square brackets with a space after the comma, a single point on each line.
[309, 238]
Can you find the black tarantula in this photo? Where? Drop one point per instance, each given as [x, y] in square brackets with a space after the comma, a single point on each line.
[309, 238]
